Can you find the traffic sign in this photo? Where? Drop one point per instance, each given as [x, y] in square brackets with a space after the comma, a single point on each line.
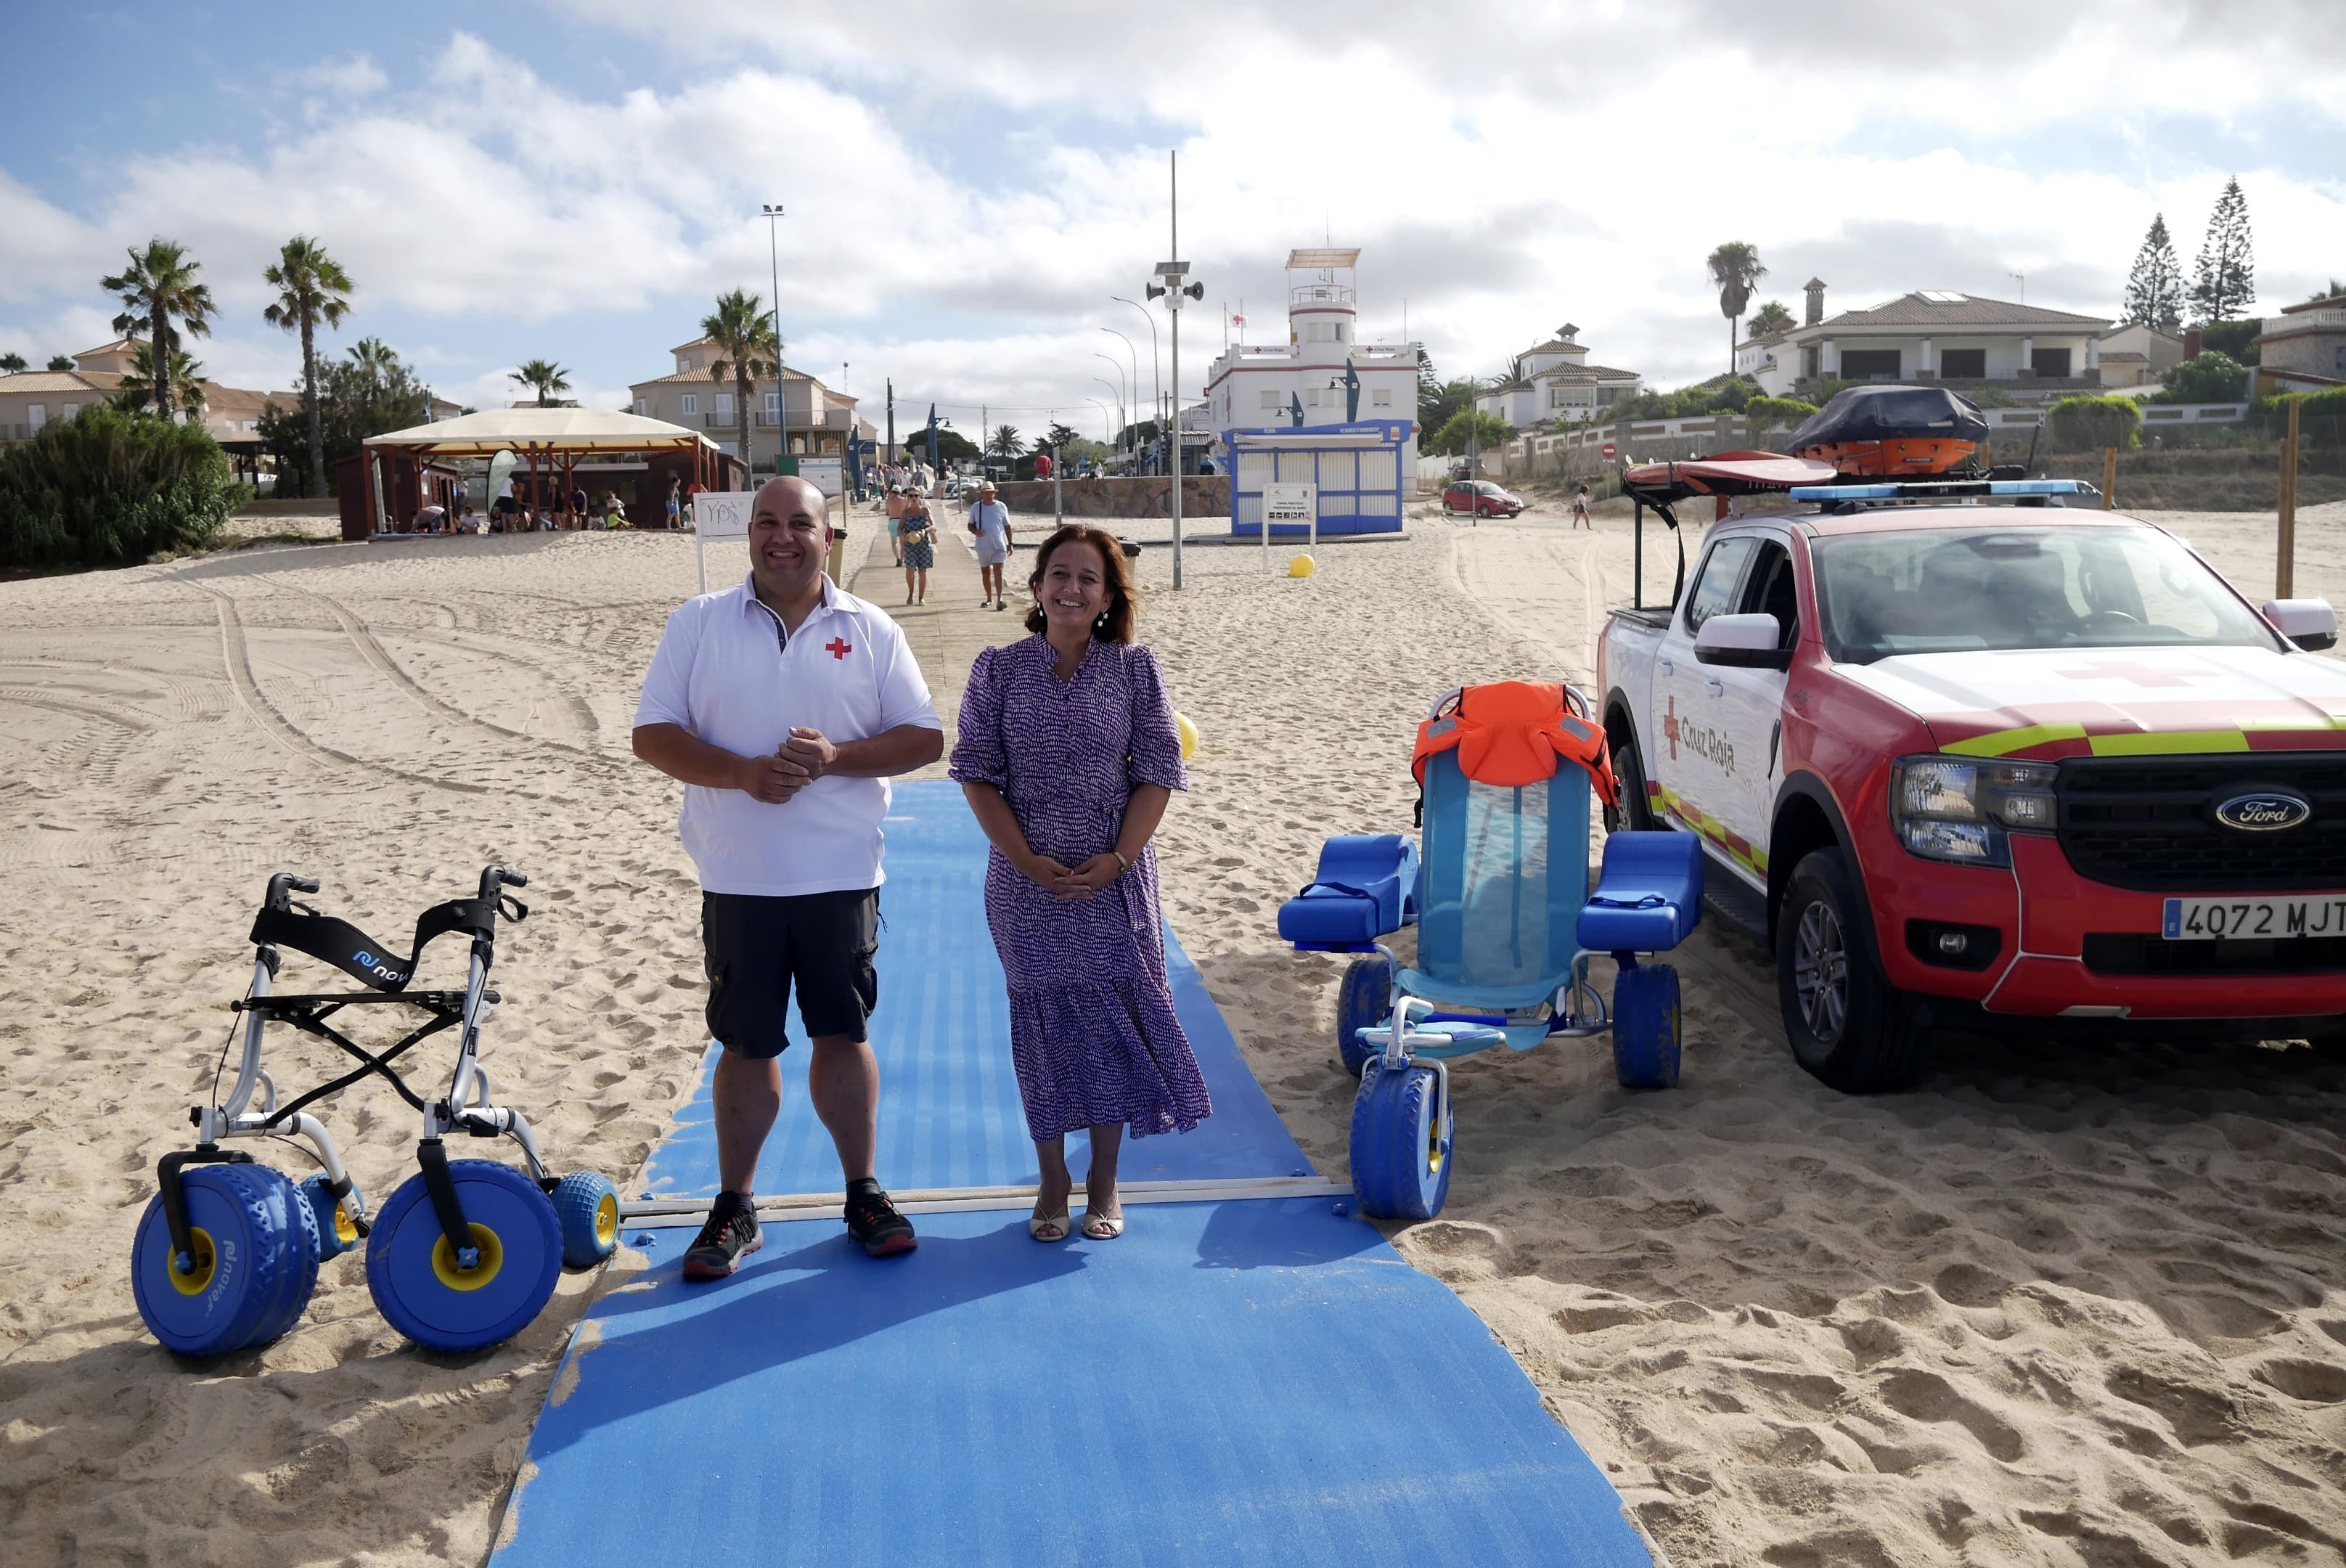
[1606, 449]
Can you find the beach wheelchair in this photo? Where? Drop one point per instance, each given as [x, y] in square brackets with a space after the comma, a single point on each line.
[1506, 925]
[466, 1253]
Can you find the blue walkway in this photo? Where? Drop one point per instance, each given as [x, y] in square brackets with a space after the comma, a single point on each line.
[1245, 1381]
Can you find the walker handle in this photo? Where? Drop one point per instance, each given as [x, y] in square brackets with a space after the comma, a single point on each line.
[285, 883]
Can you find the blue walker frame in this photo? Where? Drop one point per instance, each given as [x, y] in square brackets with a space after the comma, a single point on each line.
[1503, 956]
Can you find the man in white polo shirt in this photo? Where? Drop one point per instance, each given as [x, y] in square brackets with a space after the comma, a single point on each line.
[785, 705]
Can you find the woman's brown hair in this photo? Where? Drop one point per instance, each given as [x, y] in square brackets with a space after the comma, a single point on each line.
[1115, 623]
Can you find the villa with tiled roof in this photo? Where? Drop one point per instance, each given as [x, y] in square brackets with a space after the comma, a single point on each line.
[819, 418]
[31, 399]
[1553, 382]
[1931, 335]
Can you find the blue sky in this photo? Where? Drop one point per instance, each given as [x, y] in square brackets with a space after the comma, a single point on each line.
[967, 185]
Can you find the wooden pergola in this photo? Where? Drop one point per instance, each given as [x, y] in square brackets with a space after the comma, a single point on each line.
[556, 437]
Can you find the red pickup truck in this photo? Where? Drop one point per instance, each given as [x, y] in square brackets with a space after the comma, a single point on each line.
[1965, 762]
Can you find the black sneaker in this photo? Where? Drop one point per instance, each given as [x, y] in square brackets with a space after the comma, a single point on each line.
[729, 1236]
[872, 1220]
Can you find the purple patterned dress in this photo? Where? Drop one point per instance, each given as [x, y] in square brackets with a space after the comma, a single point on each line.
[1092, 1028]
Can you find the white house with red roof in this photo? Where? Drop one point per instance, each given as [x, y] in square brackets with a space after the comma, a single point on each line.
[1553, 383]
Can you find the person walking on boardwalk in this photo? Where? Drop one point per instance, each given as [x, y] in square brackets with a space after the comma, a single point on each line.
[989, 525]
[1068, 755]
[896, 504]
[918, 534]
[785, 704]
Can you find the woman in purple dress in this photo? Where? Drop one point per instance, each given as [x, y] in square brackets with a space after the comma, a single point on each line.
[1068, 755]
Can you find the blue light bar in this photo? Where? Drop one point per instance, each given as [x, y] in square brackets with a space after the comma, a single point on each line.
[1923, 489]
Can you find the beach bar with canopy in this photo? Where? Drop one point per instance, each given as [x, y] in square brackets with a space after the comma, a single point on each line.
[554, 449]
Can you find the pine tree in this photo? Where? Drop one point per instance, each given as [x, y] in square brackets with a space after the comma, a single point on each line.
[2225, 279]
[2154, 295]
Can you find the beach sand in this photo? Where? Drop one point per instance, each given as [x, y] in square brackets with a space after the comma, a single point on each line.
[2059, 1305]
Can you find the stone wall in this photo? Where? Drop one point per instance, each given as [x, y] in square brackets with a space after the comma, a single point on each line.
[1202, 495]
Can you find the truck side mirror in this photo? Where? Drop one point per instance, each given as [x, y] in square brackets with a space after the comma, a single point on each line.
[2311, 623]
[1742, 642]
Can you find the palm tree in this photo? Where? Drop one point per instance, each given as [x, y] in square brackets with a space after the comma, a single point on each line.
[746, 350]
[547, 376]
[11, 363]
[1735, 268]
[159, 284]
[137, 388]
[379, 362]
[310, 288]
[61, 362]
[1770, 317]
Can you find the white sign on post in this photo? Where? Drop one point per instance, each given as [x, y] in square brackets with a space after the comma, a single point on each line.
[718, 514]
[824, 473]
[1293, 505]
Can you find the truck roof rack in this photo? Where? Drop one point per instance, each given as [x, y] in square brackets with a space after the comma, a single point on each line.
[1939, 489]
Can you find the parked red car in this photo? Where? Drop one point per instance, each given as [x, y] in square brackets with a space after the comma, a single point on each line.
[1481, 497]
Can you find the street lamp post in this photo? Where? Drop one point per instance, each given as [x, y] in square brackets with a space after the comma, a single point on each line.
[1122, 398]
[1119, 406]
[1132, 356]
[772, 210]
[1108, 431]
[1156, 371]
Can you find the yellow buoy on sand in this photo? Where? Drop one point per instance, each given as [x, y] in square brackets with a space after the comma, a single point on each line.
[1189, 733]
[1301, 566]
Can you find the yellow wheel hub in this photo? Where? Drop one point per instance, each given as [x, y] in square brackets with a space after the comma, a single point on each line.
[199, 1279]
[346, 1230]
[607, 1220]
[492, 1258]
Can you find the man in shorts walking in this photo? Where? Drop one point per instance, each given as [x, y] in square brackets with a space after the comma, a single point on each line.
[989, 526]
[785, 705]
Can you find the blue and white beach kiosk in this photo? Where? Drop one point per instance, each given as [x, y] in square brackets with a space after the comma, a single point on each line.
[1357, 468]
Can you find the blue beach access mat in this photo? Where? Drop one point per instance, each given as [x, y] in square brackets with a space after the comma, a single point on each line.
[1245, 1381]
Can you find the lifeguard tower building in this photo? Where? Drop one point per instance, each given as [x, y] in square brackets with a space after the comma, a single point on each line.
[1321, 408]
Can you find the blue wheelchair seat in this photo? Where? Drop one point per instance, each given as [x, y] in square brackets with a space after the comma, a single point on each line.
[1649, 898]
[1366, 888]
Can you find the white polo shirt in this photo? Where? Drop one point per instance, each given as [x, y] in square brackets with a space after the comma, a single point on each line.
[725, 673]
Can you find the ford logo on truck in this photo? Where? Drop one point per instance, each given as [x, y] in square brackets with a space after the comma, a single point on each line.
[2264, 813]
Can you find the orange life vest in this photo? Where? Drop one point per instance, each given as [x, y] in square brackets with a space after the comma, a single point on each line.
[1511, 733]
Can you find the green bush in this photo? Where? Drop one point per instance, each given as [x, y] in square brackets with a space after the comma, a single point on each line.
[1768, 413]
[2213, 377]
[106, 487]
[2077, 422]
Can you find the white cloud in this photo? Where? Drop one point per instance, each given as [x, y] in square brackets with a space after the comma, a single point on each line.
[961, 212]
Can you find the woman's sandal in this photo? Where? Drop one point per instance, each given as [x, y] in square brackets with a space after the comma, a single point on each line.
[1049, 1226]
[1102, 1227]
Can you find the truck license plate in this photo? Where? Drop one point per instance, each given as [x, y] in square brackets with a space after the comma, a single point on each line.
[2222, 920]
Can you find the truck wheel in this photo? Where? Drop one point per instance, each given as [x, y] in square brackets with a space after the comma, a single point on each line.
[1634, 813]
[1849, 1027]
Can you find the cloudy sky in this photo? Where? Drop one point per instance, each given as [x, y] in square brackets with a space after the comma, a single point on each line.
[967, 185]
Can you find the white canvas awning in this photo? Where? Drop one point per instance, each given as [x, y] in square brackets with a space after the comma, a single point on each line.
[566, 431]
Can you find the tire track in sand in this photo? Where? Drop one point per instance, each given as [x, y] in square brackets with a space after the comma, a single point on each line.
[284, 730]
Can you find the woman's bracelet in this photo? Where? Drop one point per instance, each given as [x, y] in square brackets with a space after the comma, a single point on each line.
[1122, 865]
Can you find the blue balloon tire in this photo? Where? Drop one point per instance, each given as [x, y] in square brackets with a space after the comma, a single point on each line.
[1363, 1001]
[575, 1204]
[265, 1264]
[1393, 1133]
[319, 1198]
[408, 1290]
[1645, 1027]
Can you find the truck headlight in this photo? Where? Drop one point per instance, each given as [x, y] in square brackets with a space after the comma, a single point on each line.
[1958, 809]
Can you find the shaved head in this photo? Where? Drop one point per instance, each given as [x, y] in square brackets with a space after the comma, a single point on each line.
[788, 494]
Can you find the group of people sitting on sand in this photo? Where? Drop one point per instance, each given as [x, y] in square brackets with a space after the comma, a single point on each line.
[510, 514]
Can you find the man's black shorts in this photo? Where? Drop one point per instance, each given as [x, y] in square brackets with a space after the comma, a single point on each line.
[757, 946]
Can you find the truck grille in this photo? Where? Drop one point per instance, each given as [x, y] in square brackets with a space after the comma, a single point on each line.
[2150, 822]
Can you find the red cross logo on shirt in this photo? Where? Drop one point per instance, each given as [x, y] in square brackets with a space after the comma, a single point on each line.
[1670, 728]
[838, 649]
[2139, 674]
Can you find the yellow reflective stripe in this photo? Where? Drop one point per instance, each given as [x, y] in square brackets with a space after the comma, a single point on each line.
[2005, 742]
[2170, 743]
[1754, 857]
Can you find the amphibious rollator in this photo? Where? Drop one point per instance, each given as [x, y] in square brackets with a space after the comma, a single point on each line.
[465, 1252]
